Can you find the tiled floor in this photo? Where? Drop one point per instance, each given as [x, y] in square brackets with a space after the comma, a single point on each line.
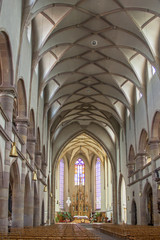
[99, 233]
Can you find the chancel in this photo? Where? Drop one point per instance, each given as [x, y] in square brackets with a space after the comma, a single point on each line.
[79, 119]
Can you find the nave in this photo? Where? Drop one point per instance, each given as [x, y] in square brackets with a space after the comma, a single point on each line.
[80, 116]
[72, 231]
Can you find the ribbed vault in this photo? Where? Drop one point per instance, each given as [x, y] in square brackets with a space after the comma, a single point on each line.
[83, 145]
[93, 57]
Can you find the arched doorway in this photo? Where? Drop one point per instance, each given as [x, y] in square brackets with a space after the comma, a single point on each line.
[42, 214]
[10, 201]
[15, 194]
[149, 206]
[28, 203]
[36, 216]
[134, 213]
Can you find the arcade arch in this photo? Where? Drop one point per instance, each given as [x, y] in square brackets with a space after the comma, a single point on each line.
[85, 148]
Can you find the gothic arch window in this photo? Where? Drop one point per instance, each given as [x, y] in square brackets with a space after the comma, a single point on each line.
[61, 184]
[98, 183]
[79, 175]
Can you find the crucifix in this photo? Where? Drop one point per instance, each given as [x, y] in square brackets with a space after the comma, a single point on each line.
[68, 201]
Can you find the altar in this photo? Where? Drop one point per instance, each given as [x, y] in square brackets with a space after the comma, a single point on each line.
[81, 219]
[80, 207]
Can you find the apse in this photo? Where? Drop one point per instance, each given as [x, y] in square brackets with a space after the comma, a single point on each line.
[84, 176]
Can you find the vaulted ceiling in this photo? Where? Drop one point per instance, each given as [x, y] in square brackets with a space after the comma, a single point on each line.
[92, 57]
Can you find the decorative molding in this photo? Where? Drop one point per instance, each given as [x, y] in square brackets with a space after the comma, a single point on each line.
[3, 113]
[5, 135]
[8, 91]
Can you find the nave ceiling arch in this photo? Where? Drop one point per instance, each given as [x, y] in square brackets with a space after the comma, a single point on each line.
[92, 57]
[87, 143]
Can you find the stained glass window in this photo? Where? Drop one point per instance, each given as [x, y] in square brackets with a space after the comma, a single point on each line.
[61, 184]
[79, 176]
[98, 183]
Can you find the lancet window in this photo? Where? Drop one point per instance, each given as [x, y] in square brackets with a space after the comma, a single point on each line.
[61, 182]
[79, 176]
[98, 183]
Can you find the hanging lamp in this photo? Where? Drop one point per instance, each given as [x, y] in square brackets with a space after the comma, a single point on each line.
[34, 178]
[13, 152]
[45, 188]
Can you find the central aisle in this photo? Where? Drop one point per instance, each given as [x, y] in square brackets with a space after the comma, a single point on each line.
[98, 233]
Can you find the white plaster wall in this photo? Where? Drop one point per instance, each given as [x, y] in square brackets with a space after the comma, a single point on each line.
[140, 119]
[153, 93]
[130, 135]
[11, 13]
[25, 64]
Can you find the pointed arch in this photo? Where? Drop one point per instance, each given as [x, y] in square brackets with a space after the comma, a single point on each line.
[98, 183]
[22, 101]
[38, 141]
[143, 141]
[131, 160]
[42, 213]
[31, 129]
[36, 215]
[147, 210]
[27, 202]
[6, 69]
[43, 155]
[16, 200]
[134, 213]
[73, 131]
[155, 130]
[15, 175]
[122, 200]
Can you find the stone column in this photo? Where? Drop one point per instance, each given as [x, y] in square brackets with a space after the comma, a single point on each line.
[31, 145]
[30, 205]
[18, 201]
[37, 208]
[6, 101]
[154, 151]
[22, 127]
[38, 160]
[140, 160]
[44, 168]
[53, 198]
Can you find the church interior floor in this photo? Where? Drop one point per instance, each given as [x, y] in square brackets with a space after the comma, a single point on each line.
[60, 231]
[98, 233]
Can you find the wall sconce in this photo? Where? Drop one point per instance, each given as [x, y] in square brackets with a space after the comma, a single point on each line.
[13, 152]
[51, 195]
[140, 194]
[45, 188]
[158, 186]
[34, 178]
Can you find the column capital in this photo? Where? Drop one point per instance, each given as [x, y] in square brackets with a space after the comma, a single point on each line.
[31, 139]
[22, 121]
[153, 141]
[141, 154]
[10, 91]
[38, 154]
